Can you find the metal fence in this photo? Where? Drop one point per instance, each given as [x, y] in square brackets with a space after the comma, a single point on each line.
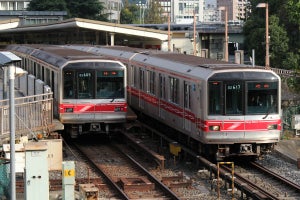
[33, 114]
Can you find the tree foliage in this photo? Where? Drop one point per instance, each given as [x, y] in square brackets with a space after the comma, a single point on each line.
[47, 5]
[153, 15]
[129, 14]
[278, 42]
[136, 14]
[284, 33]
[88, 9]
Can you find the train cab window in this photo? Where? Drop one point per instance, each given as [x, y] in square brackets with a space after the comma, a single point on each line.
[214, 98]
[262, 98]
[85, 85]
[234, 98]
[69, 92]
[110, 84]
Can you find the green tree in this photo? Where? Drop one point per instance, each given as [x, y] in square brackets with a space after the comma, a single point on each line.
[129, 14]
[292, 24]
[278, 43]
[47, 5]
[254, 39]
[283, 37]
[154, 15]
[88, 9]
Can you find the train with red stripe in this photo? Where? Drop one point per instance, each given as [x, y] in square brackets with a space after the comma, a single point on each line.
[221, 109]
[89, 90]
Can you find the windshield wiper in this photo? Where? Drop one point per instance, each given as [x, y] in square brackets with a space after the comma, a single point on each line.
[269, 110]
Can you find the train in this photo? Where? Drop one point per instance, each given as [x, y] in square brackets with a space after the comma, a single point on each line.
[89, 91]
[221, 109]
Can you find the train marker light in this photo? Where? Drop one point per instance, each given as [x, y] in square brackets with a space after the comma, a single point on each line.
[68, 110]
[272, 126]
[119, 109]
[214, 128]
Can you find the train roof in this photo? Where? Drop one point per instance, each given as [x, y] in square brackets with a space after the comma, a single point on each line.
[53, 54]
[188, 65]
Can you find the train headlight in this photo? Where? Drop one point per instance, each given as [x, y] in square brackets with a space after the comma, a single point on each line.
[214, 128]
[272, 126]
[68, 110]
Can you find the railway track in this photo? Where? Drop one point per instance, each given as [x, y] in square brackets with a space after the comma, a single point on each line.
[252, 184]
[266, 183]
[128, 177]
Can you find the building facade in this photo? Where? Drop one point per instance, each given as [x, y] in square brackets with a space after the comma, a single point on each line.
[237, 9]
[185, 10]
[17, 9]
[113, 9]
[14, 5]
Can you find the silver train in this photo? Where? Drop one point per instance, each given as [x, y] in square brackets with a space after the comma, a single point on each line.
[220, 108]
[89, 90]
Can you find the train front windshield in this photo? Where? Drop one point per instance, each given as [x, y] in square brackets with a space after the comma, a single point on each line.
[244, 94]
[93, 83]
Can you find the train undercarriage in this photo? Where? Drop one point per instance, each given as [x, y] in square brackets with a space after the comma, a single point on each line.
[76, 130]
[217, 152]
[250, 150]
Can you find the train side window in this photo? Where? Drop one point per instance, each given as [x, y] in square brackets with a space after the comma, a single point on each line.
[187, 95]
[142, 78]
[131, 76]
[162, 86]
[136, 74]
[152, 82]
[47, 77]
[68, 86]
[52, 83]
[31, 67]
[35, 69]
[43, 73]
[174, 89]
[214, 98]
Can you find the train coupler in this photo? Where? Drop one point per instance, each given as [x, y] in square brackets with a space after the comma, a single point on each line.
[95, 127]
[246, 148]
[223, 151]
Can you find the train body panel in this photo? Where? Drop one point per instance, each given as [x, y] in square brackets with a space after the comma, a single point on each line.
[229, 109]
[89, 90]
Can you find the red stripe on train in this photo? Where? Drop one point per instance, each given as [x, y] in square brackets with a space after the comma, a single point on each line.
[226, 125]
[95, 108]
[248, 125]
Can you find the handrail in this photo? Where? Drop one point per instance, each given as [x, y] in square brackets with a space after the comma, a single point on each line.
[32, 115]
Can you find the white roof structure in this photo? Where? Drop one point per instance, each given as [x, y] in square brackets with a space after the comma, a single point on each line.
[78, 30]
